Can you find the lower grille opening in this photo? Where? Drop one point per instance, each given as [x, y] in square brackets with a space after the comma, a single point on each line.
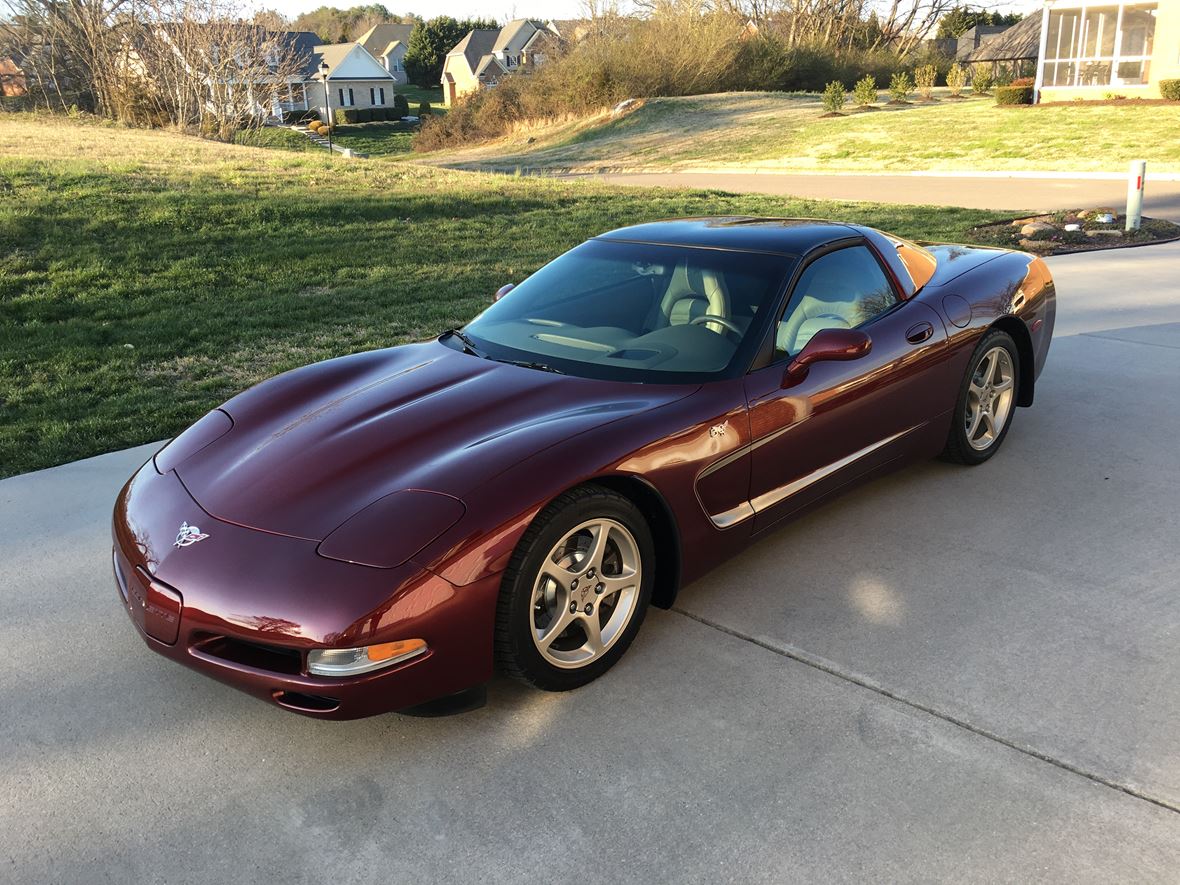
[296, 700]
[252, 654]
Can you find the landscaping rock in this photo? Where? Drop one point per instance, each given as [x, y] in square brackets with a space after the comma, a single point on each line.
[1104, 233]
[1035, 245]
[1038, 229]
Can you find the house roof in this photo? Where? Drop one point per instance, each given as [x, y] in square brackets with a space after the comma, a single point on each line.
[336, 54]
[522, 28]
[377, 39]
[1021, 41]
[569, 28]
[475, 46]
[489, 64]
[394, 44]
[303, 44]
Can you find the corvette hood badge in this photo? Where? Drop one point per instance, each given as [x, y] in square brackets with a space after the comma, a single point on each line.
[189, 535]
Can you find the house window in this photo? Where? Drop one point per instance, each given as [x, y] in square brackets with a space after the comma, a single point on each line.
[382, 91]
[346, 98]
[372, 97]
[1099, 44]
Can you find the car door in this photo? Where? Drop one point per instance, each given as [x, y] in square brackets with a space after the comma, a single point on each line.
[844, 418]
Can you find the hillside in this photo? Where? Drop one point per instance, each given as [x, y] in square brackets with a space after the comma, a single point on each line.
[781, 132]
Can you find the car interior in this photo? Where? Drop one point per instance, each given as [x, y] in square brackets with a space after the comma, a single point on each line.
[687, 313]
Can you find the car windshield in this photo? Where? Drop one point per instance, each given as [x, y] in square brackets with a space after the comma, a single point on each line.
[635, 312]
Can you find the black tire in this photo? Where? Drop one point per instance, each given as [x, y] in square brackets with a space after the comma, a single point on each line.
[958, 448]
[516, 652]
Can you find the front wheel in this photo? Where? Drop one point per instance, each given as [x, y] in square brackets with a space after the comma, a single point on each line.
[987, 400]
[576, 590]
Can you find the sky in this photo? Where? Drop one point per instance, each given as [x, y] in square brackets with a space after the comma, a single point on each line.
[506, 10]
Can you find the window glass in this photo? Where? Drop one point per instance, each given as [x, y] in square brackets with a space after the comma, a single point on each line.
[840, 290]
[1138, 31]
[1099, 30]
[637, 312]
[1099, 45]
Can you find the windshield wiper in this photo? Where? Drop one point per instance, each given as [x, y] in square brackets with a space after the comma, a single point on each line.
[468, 344]
[525, 364]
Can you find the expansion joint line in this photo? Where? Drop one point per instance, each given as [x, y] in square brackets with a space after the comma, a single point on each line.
[831, 669]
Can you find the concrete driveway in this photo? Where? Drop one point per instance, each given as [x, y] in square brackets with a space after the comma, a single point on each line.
[954, 674]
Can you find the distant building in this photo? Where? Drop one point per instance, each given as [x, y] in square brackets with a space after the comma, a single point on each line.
[483, 57]
[355, 79]
[975, 37]
[388, 44]
[1013, 51]
[1093, 49]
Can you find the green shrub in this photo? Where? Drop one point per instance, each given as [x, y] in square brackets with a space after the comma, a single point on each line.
[835, 97]
[425, 111]
[956, 79]
[401, 106]
[900, 87]
[364, 115]
[1014, 95]
[865, 91]
[1170, 89]
[981, 78]
[924, 78]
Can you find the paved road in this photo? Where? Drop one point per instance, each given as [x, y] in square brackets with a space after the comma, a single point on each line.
[968, 675]
[1000, 194]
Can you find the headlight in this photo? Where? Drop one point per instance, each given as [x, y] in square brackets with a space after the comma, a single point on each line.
[354, 661]
[392, 529]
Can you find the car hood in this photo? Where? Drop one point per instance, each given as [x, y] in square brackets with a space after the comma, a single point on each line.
[310, 448]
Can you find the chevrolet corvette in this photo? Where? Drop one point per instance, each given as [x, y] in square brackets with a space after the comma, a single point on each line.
[377, 531]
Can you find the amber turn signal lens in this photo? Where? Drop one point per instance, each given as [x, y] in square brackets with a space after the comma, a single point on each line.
[354, 661]
[387, 650]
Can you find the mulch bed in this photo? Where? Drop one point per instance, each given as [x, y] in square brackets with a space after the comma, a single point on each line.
[1104, 102]
[1061, 242]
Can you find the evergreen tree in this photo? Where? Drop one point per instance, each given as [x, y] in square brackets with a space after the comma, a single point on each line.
[430, 42]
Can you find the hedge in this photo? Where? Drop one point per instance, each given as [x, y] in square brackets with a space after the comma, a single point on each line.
[1014, 95]
[1170, 89]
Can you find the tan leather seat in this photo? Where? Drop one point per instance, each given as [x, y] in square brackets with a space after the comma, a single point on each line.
[692, 293]
[830, 301]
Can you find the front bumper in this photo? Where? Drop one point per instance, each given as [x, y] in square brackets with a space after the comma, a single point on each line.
[244, 607]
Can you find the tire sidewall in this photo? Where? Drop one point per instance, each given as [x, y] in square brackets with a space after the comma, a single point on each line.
[540, 671]
[994, 338]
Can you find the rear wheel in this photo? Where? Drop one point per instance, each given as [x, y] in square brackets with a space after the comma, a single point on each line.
[987, 400]
[576, 591]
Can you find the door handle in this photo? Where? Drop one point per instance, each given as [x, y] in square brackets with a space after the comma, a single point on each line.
[918, 333]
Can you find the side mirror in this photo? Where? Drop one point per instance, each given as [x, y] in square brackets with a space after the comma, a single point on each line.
[503, 290]
[825, 345]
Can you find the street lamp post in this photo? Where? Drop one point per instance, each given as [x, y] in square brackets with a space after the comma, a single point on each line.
[327, 103]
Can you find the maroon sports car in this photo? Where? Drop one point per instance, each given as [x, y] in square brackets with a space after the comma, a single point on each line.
[372, 532]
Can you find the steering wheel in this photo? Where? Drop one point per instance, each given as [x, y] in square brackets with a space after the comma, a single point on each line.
[721, 321]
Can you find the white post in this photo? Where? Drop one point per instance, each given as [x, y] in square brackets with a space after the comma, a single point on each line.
[1135, 182]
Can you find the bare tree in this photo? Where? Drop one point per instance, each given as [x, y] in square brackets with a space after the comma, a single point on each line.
[67, 48]
[200, 66]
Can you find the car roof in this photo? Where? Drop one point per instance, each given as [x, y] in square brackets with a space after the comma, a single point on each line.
[783, 236]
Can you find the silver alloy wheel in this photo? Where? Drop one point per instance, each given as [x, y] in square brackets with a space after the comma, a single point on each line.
[586, 593]
[990, 397]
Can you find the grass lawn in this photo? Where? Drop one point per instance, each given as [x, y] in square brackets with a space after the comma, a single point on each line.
[415, 95]
[375, 139]
[145, 277]
[277, 137]
[739, 131]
